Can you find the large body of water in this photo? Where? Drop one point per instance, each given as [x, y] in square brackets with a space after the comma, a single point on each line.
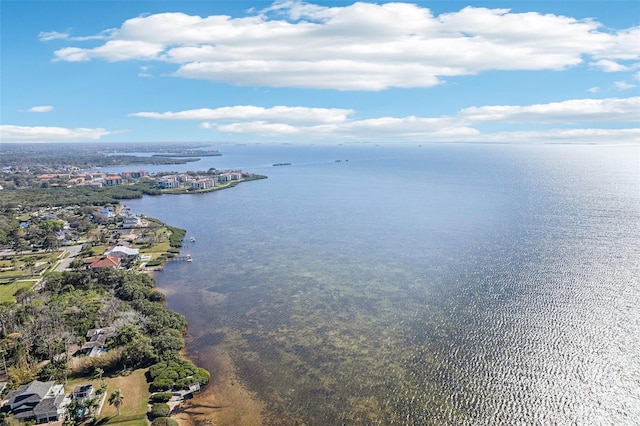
[447, 284]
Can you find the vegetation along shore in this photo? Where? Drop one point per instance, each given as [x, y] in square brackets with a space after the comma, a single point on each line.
[84, 334]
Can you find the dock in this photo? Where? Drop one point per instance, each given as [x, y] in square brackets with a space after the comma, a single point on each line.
[185, 258]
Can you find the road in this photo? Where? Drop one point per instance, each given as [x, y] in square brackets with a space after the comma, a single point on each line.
[73, 252]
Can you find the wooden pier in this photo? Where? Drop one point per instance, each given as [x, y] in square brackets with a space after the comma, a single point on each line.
[186, 258]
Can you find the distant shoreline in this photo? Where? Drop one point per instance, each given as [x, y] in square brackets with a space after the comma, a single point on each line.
[230, 184]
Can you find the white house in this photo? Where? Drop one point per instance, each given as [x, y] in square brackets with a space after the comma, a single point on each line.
[203, 184]
[169, 182]
[123, 252]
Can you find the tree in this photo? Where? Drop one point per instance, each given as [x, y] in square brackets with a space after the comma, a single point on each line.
[92, 405]
[116, 399]
[20, 245]
[29, 263]
[159, 409]
[97, 373]
[77, 264]
[51, 242]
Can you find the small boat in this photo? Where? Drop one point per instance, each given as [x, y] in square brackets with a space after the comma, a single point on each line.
[282, 164]
[192, 239]
[189, 259]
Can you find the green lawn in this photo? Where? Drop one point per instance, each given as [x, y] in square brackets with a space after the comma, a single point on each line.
[8, 290]
[98, 250]
[157, 248]
[20, 267]
[135, 390]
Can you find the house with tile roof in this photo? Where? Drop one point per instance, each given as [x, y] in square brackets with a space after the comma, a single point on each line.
[113, 180]
[105, 262]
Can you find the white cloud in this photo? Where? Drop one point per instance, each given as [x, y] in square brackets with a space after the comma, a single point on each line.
[144, 71]
[379, 128]
[607, 65]
[55, 35]
[10, 133]
[42, 108]
[113, 50]
[331, 123]
[363, 46]
[593, 89]
[249, 112]
[623, 85]
[52, 35]
[571, 111]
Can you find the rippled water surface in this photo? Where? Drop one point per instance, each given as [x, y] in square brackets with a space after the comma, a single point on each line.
[434, 284]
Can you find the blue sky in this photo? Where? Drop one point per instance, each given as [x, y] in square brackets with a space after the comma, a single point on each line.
[320, 72]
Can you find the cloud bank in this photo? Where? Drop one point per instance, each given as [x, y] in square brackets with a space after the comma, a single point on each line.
[304, 122]
[363, 46]
[10, 133]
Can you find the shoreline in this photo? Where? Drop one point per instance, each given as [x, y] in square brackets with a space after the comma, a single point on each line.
[230, 184]
[224, 400]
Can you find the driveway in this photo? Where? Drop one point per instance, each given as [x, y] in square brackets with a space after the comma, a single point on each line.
[73, 252]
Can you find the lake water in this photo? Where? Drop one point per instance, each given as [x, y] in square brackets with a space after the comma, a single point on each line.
[451, 284]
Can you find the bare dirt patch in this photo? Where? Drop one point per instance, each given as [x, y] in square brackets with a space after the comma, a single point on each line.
[224, 402]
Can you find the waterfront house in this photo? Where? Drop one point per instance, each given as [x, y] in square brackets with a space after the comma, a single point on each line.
[97, 338]
[39, 401]
[170, 181]
[203, 184]
[131, 222]
[113, 180]
[123, 252]
[105, 262]
[135, 174]
[185, 177]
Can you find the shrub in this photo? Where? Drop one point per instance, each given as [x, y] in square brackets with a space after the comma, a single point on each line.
[161, 397]
[164, 421]
[161, 385]
[181, 374]
[156, 296]
[159, 409]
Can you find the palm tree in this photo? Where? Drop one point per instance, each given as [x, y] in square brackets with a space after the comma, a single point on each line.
[98, 372]
[92, 404]
[116, 399]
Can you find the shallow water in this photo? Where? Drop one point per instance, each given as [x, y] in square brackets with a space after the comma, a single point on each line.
[441, 284]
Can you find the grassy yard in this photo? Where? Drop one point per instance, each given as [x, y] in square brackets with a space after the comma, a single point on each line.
[135, 390]
[98, 250]
[8, 290]
[157, 248]
[16, 267]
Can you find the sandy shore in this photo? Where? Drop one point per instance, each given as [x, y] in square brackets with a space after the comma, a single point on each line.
[224, 401]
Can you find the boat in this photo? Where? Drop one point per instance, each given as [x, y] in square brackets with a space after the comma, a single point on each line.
[192, 239]
[189, 259]
[282, 164]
